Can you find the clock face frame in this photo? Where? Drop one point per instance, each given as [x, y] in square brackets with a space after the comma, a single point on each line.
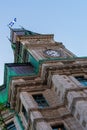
[52, 53]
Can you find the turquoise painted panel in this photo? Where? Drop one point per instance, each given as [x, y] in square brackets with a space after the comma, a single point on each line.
[34, 62]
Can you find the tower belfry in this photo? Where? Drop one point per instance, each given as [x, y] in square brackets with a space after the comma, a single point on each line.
[46, 86]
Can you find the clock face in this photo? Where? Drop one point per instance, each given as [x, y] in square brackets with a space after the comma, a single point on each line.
[52, 53]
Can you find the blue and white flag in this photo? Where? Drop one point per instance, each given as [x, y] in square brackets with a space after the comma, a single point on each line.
[12, 22]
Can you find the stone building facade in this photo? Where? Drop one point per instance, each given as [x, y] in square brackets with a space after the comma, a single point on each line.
[46, 85]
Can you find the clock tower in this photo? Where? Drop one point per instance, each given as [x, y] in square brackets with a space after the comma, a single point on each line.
[38, 46]
[43, 47]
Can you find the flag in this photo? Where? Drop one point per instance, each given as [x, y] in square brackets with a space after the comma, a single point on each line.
[12, 22]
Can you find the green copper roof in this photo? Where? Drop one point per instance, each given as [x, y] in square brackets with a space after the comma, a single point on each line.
[30, 33]
[23, 31]
[14, 70]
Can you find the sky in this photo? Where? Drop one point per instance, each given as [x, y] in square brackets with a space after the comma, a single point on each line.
[66, 19]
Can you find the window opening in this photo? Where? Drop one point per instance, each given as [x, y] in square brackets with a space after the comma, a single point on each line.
[11, 126]
[82, 80]
[41, 101]
[25, 113]
[58, 127]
